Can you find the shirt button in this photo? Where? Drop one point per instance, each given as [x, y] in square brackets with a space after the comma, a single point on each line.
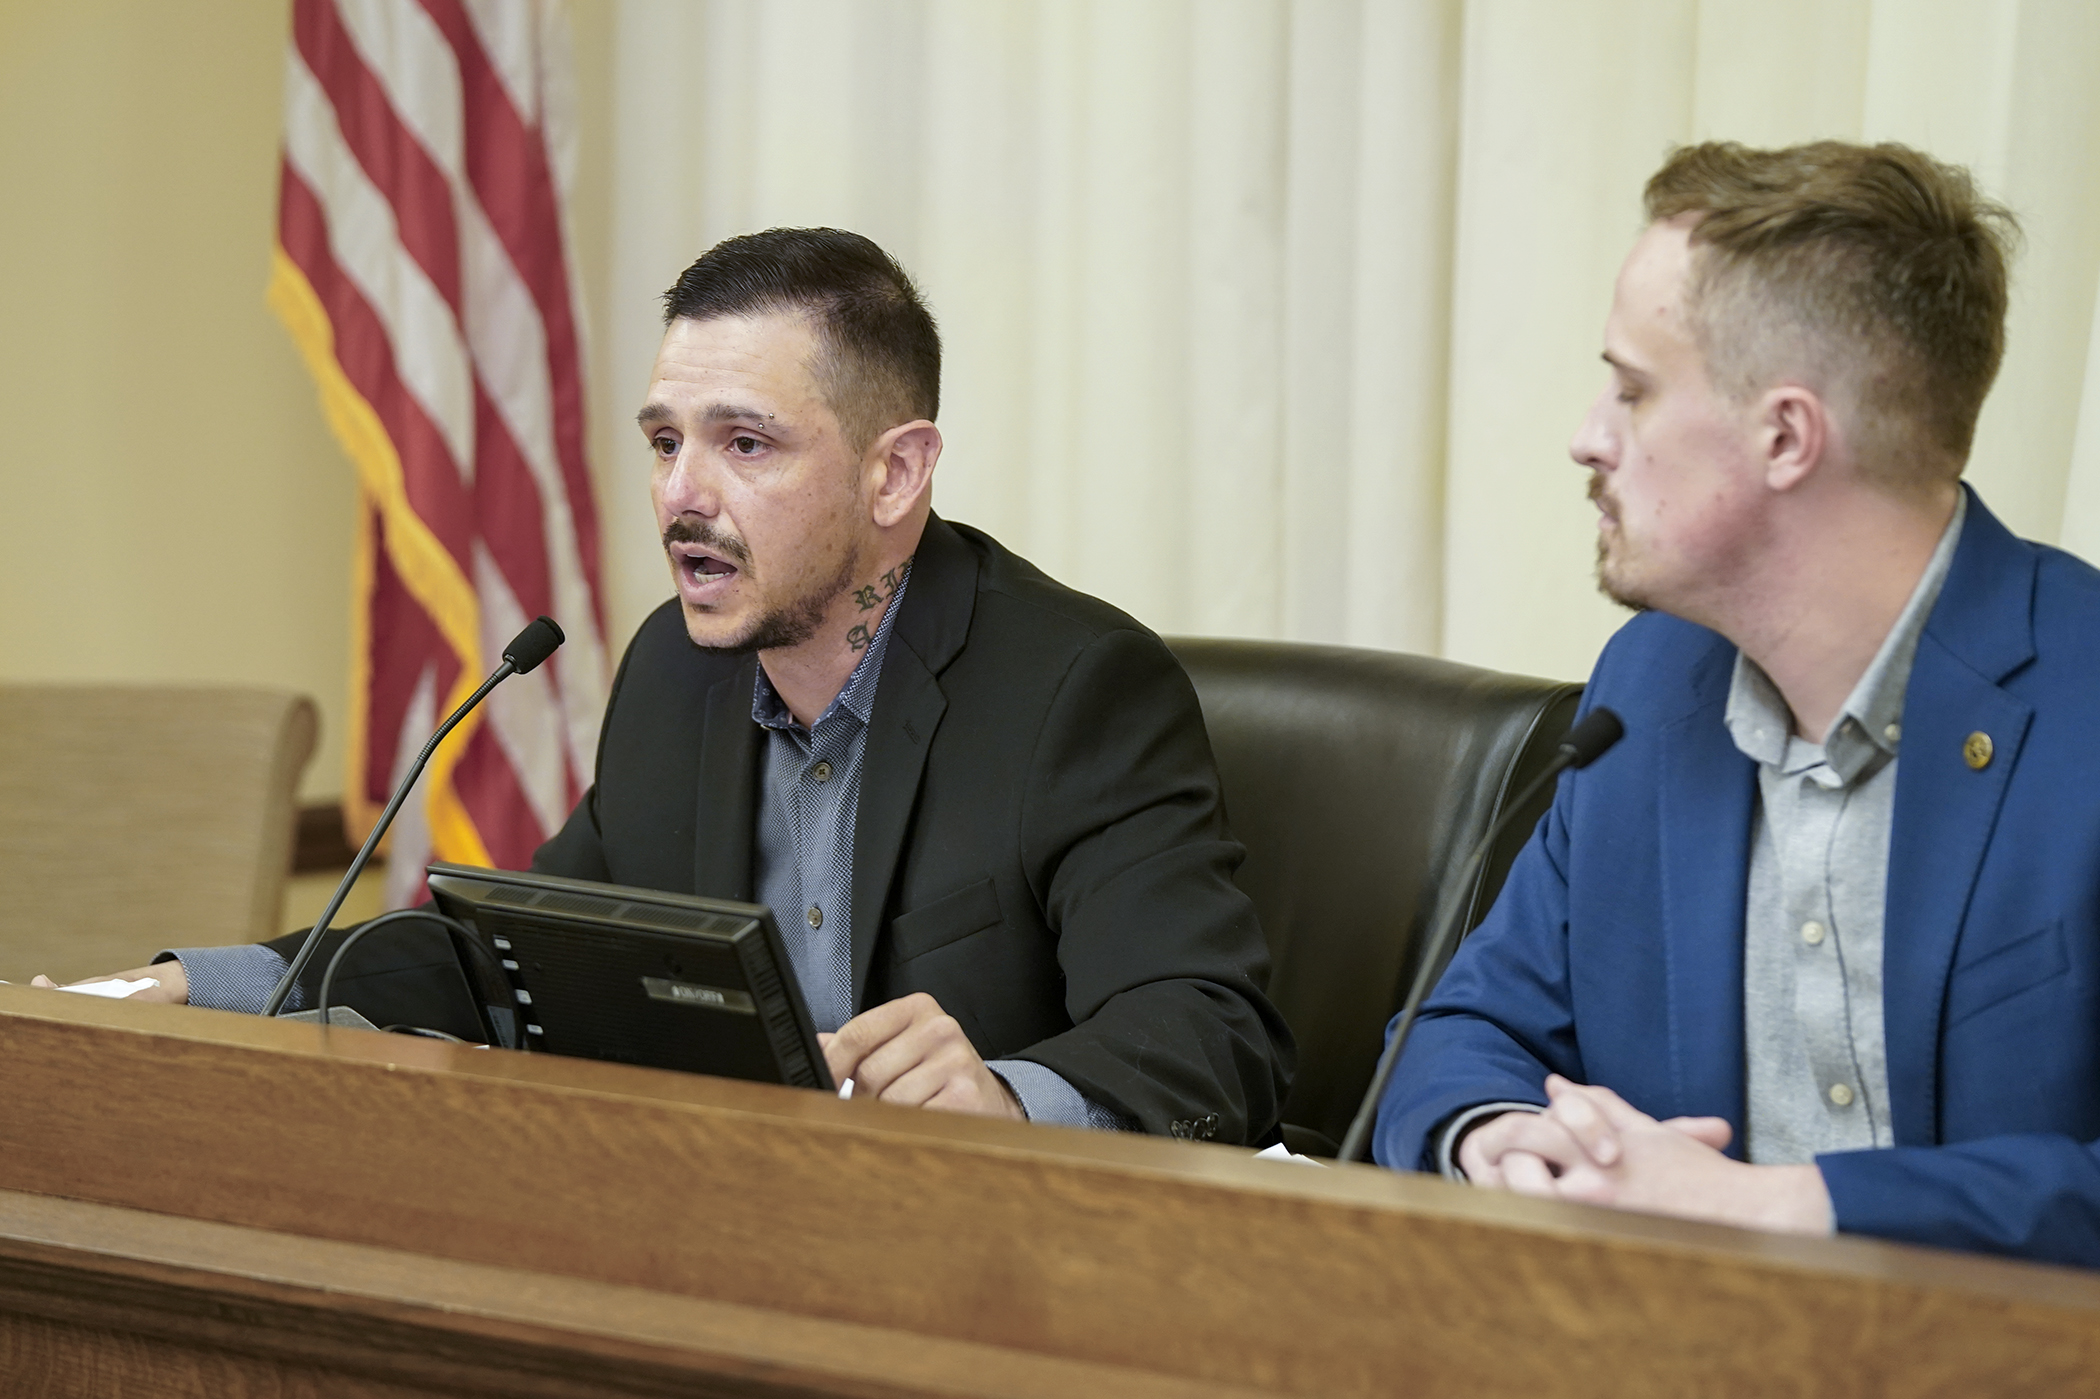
[1893, 733]
[1812, 933]
[816, 917]
[822, 772]
[1841, 1094]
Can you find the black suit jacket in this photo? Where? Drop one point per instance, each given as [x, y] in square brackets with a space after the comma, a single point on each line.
[1040, 843]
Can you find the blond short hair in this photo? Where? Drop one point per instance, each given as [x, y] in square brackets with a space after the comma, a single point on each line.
[1877, 265]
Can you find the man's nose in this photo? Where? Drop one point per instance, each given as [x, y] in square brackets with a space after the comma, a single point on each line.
[685, 486]
[1595, 444]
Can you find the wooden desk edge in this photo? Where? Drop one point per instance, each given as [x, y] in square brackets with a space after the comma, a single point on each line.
[386, 1313]
[1197, 1164]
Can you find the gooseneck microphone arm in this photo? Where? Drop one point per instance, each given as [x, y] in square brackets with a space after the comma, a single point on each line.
[1584, 744]
[526, 650]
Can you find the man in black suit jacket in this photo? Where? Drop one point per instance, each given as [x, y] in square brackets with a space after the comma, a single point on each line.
[1039, 848]
[990, 798]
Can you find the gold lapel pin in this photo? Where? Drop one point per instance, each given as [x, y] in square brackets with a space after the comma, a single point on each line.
[1976, 750]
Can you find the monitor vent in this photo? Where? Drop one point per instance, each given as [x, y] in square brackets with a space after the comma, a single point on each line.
[689, 920]
[590, 906]
[781, 1028]
[635, 913]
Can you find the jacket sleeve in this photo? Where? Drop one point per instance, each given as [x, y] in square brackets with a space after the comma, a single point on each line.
[404, 973]
[1124, 838]
[2032, 1196]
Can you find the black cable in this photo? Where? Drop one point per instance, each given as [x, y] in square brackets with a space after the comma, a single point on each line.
[458, 931]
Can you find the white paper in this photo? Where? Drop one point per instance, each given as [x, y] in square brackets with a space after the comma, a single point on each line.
[846, 1089]
[114, 990]
[1279, 1152]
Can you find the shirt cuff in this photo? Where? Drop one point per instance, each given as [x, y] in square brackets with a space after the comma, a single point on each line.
[1045, 1096]
[1455, 1130]
[233, 978]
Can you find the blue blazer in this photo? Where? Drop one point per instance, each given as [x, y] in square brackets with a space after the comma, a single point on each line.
[1615, 953]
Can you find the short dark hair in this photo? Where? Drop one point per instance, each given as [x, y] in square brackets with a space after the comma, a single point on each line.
[880, 361]
[1889, 260]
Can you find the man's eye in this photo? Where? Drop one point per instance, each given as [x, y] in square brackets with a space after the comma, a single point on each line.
[664, 446]
[744, 446]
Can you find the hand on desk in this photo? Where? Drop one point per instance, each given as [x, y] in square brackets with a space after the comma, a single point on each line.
[174, 987]
[910, 1051]
[1592, 1146]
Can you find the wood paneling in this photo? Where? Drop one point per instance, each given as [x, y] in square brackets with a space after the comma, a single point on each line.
[92, 1296]
[1166, 1258]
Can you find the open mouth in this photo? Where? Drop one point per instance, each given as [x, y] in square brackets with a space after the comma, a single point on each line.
[702, 574]
[705, 560]
[705, 566]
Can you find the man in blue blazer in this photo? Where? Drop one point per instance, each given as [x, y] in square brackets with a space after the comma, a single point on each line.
[1817, 945]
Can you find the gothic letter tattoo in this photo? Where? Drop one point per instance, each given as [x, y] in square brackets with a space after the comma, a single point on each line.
[871, 597]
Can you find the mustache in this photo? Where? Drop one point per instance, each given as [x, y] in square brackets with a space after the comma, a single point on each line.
[700, 532]
[1599, 498]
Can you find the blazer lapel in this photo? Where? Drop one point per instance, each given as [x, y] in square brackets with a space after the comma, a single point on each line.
[1980, 631]
[909, 704]
[1709, 792]
[908, 708]
[728, 795]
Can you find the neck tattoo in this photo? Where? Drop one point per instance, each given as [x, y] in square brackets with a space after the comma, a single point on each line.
[873, 596]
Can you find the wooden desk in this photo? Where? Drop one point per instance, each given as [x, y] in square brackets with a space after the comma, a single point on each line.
[200, 1203]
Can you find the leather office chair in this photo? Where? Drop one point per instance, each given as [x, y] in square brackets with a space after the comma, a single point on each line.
[1357, 781]
[137, 817]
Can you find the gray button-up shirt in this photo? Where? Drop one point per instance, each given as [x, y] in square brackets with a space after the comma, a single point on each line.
[808, 797]
[1812, 923]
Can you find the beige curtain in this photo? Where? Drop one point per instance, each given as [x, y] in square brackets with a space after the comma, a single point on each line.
[1272, 317]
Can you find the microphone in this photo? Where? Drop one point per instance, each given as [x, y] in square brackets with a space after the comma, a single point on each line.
[525, 652]
[1583, 745]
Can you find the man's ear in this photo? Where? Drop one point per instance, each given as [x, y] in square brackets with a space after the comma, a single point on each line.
[1793, 435]
[901, 466]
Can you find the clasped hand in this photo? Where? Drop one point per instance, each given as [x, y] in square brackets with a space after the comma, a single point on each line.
[909, 1051]
[1592, 1146]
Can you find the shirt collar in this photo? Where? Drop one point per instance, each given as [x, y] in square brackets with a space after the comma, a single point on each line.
[769, 710]
[1869, 725]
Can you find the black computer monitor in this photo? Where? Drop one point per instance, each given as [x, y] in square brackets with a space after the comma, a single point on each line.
[602, 971]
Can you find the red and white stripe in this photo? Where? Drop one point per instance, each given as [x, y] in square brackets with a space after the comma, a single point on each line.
[427, 155]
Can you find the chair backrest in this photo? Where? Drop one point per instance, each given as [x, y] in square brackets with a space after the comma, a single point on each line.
[1358, 780]
[137, 817]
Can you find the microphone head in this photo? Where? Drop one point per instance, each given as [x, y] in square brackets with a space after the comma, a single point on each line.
[537, 642]
[1586, 742]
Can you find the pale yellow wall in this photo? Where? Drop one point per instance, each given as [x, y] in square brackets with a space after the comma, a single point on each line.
[171, 505]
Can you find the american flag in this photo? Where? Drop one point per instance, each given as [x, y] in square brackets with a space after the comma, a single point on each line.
[423, 269]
